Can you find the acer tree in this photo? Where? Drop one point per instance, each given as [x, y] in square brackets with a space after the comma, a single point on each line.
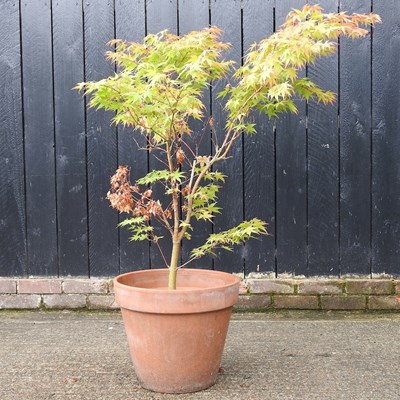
[158, 91]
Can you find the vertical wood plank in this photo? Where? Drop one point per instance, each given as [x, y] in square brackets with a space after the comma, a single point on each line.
[291, 178]
[39, 138]
[355, 148]
[161, 15]
[259, 151]
[130, 25]
[13, 252]
[323, 162]
[386, 139]
[70, 138]
[194, 15]
[101, 143]
[227, 15]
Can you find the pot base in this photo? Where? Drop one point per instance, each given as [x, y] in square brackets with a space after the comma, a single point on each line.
[176, 353]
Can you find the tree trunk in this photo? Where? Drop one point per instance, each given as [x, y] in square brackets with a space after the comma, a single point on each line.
[173, 267]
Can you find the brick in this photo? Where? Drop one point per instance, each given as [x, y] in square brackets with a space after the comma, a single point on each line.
[8, 286]
[39, 286]
[111, 286]
[343, 302]
[64, 301]
[369, 286]
[296, 302]
[19, 301]
[254, 303]
[101, 302]
[320, 287]
[76, 286]
[243, 288]
[384, 302]
[270, 286]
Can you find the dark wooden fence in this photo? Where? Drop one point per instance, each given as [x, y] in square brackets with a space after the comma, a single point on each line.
[326, 180]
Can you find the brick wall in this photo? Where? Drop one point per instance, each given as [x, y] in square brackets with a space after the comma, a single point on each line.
[92, 294]
[255, 294]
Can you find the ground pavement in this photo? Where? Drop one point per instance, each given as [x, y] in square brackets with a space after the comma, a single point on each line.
[304, 355]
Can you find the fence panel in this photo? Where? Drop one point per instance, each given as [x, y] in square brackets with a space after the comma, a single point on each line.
[326, 180]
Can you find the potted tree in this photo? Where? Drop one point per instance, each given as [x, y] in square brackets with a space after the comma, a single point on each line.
[176, 319]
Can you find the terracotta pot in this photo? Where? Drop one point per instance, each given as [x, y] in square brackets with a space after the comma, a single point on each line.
[176, 338]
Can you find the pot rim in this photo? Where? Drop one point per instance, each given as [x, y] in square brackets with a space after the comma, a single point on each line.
[234, 280]
[216, 296]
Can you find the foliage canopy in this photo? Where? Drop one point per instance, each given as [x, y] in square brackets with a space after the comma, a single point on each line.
[158, 91]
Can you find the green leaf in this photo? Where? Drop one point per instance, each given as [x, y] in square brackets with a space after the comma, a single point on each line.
[159, 84]
[140, 228]
[227, 239]
[161, 176]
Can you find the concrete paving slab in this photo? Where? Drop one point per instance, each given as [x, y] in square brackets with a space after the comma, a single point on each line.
[287, 355]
